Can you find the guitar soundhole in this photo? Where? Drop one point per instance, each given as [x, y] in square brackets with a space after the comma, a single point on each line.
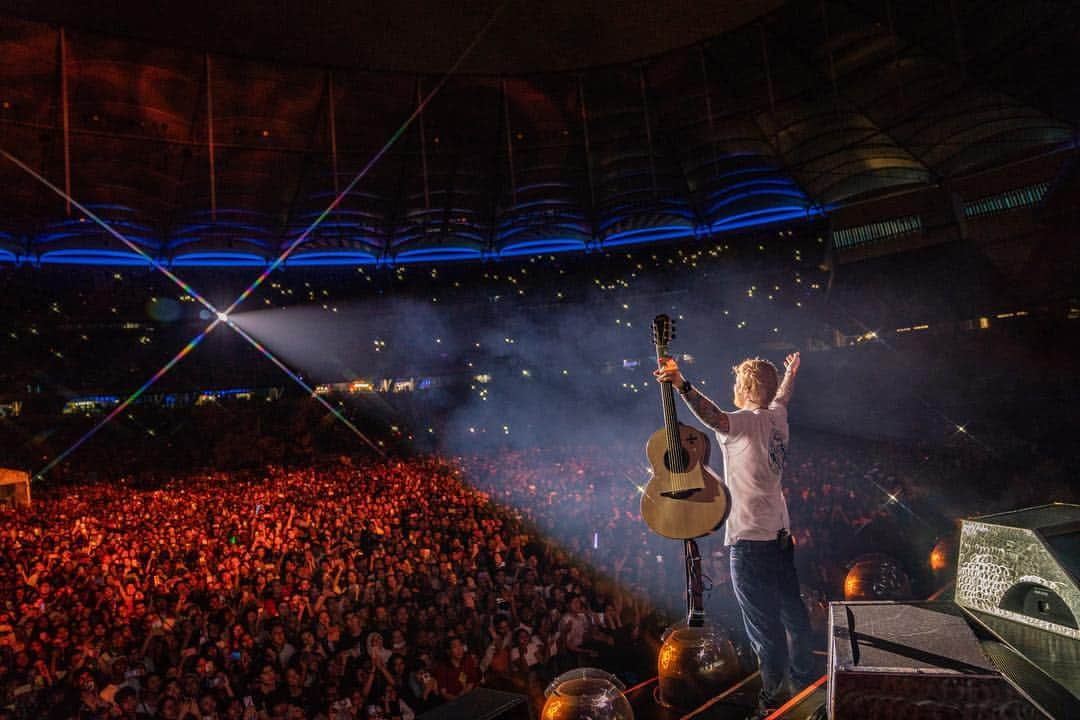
[684, 458]
[685, 462]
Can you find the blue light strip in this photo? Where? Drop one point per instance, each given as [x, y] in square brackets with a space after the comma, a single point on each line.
[434, 254]
[763, 217]
[542, 247]
[766, 216]
[630, 237]
[212, 259]
[332, 258]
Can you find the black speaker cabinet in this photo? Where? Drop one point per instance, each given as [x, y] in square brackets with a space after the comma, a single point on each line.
[1023, 566]
[482, 704]
[913, 661]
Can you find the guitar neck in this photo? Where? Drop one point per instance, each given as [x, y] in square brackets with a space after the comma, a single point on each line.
[667, 399]
[671, 420]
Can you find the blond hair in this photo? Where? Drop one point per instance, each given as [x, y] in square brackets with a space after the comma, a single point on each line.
[756, 380]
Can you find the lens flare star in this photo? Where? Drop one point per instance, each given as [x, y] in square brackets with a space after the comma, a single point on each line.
[222, 317]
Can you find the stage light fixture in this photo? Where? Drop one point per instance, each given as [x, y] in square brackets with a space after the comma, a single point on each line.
[585, 693]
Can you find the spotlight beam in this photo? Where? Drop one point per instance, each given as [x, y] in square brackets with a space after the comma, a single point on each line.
[299, 381]
[184, 352]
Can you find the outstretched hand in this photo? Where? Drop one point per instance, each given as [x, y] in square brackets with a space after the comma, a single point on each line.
[791, 363]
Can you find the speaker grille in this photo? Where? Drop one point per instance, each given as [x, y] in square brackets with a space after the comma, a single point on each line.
[1047, 695]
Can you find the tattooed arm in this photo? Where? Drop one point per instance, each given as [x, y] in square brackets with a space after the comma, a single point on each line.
[703, 408]
[706, 411]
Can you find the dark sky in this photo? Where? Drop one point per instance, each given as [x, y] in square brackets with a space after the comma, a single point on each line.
[409, 36]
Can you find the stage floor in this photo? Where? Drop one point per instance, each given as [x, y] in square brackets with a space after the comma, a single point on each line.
[733, 703]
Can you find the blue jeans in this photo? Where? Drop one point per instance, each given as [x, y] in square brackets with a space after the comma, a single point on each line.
[767, 588]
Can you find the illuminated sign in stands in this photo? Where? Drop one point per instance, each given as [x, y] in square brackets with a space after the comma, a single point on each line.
[94, 404]
[208, 396]
[382, 385]
[90, 405]
[1003, 202]
[875, 232]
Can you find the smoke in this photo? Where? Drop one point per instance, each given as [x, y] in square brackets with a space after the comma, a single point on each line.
[520, 374]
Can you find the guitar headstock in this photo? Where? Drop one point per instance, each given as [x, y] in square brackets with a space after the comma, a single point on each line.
[663, 332]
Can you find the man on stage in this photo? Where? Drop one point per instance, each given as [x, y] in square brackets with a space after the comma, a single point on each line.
[753, 441]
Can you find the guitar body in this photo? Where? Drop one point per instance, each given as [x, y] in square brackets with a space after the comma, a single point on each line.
[695, 515]
[684, 499]
[672, 483]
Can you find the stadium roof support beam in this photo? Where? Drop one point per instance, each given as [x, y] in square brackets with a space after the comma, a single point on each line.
[333, 128]
[708, 106]
[509, 143]
[210, 136]
[643, 83]
[828, 49]
[958, 37]
[423, 143]
[768, 69]
[588, 154]
[894, 44]
[65, 111]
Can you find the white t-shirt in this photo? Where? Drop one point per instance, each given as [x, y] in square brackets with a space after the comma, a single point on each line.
[754, 451]
[575, 628]
[532, 653]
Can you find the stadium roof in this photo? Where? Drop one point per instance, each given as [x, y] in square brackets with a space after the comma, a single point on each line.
[731, 119]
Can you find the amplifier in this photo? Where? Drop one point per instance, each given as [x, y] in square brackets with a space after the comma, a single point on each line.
[1045, 665]
[1024, 566]
[913, 661]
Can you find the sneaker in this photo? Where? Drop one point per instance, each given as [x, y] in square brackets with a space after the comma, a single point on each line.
[784, 692]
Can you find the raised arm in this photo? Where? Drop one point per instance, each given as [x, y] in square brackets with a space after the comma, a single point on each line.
[787, 384]
[703, 408]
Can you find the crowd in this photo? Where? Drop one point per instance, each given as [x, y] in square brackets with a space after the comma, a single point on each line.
[378, 590]
[374, 592]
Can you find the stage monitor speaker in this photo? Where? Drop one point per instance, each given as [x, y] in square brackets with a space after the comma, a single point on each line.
[914, 661]
[482, 704]
[1024, 566]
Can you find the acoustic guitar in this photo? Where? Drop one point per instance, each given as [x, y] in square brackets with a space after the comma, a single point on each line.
[684, 498]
